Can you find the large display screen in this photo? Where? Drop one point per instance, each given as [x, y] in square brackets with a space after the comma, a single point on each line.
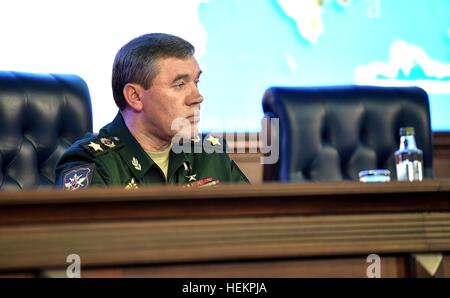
[243, 46]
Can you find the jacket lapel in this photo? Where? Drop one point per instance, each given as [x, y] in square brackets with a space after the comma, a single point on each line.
[132, 153]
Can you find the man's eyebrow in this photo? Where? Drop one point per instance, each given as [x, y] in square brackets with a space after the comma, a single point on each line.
[185, 76]
[180, 77]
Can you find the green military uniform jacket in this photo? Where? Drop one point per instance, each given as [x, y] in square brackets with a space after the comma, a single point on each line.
[115, 158]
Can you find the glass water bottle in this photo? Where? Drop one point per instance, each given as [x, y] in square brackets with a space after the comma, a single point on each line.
[408, 158]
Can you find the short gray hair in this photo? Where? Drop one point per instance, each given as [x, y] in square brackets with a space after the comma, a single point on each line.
[135, 61]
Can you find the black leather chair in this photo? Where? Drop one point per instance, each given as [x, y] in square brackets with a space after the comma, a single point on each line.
[332, 133]
[40, 116]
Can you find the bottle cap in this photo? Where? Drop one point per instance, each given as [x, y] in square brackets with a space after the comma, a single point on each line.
[407, 131]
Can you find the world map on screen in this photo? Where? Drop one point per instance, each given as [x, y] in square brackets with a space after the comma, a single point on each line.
[243, 47]
[263, 43]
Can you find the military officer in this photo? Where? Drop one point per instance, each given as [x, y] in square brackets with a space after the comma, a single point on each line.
[154, 137]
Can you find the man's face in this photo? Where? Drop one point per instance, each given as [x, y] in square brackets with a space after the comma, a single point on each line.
[172, 103]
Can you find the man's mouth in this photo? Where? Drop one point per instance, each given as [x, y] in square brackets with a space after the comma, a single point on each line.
[195, 118]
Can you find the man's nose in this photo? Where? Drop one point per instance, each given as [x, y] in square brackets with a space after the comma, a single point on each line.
[196, 97]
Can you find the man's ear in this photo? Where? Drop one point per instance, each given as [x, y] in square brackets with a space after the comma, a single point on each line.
[132, 94]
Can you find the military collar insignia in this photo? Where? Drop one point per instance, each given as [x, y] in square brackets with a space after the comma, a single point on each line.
[136, 164]
[131, 184]
[78, 177]
[187, 167]
[213, 140]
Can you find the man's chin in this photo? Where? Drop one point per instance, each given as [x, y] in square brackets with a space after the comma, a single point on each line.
[188, 133]
[194, 134]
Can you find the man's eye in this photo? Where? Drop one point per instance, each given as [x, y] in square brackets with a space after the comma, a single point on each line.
[180, 85]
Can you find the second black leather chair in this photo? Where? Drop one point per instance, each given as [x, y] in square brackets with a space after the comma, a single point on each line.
[332, 133]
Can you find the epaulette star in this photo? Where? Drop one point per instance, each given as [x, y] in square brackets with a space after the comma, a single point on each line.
[214, 141]
[96, 147]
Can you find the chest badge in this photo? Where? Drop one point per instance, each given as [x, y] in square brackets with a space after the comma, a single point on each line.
[136, 164]
[192, 177]
[205, 182]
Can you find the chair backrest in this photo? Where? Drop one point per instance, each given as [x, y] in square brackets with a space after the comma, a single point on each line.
[332, 133]
[40, 116]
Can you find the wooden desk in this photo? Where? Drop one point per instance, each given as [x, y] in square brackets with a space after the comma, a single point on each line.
[282, 230]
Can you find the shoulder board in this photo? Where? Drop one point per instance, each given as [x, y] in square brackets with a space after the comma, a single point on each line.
[101, 145]
[209, 144]
[208, 139]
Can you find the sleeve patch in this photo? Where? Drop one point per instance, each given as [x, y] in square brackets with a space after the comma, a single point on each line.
[78, 178]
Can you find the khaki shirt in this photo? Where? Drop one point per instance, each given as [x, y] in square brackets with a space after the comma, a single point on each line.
[115, 158]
